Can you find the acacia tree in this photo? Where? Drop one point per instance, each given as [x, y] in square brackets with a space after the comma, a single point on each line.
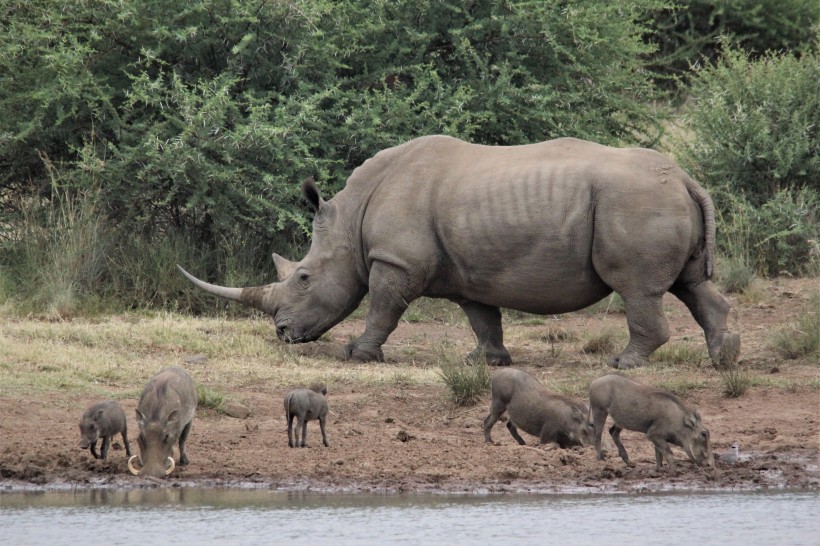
[203, 118]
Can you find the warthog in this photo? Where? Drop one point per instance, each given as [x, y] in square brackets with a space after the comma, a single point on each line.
[661, 415]
[164, 413]
[306, 405]
[531, 407]
[103, 420]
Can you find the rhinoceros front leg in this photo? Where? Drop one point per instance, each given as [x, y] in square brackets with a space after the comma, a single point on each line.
[389, 297]
[485, 321]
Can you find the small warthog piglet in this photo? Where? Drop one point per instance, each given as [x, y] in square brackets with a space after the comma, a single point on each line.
[306, 405]
[103, 420]
[661, 415]
[532, 408]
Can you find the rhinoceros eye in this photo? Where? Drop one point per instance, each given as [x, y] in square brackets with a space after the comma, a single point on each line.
[304, 277]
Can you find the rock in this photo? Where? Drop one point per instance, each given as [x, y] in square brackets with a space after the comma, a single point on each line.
[237, 410]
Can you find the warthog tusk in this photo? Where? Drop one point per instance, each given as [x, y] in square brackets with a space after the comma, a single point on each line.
[133, 470]
[170, 468]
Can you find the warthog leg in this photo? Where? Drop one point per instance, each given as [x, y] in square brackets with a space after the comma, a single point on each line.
[183, 454]
[615, 432]
[514, 431]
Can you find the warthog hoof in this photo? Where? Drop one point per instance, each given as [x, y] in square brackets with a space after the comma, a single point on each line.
[354, 352]
[727, 352]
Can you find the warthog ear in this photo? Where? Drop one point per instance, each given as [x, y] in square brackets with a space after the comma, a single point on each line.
[311, 193]
[140, 419]
[690, 419]
[98, 415]
[173, 417]
[577, 415]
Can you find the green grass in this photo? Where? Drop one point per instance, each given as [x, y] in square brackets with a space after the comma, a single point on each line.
[466, 379]
[679, 354]
[603, 341]
[735, 276]
[209, 398]
[801, 338]
[735, 382]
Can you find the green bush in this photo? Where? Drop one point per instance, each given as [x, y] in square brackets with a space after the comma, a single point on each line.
[755, 125]
[778, 237]
[695, 32]
[200, 120]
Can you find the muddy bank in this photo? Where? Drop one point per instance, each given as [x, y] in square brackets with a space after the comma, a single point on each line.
[413, 440]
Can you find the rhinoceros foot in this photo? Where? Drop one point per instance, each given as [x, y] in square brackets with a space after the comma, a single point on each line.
[363, 354]
[493, 358]
[726, 353]
[627, 361]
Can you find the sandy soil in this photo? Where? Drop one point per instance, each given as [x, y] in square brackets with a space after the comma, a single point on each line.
[411, 438]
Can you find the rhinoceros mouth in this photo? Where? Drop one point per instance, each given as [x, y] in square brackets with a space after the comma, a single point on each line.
[288, 336]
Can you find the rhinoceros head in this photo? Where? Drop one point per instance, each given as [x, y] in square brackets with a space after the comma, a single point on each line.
[316, 293]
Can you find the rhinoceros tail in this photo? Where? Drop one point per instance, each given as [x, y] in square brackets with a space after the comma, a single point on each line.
[702, 197]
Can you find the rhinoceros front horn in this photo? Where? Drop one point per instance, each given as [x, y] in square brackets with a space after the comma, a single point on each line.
[234, 294]
[260, 297]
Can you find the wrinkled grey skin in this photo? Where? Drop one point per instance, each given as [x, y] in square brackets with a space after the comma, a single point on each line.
[544, 228]
[165, 413]
[103, 420]
[661, 415]
[306, 405]
[532, 408]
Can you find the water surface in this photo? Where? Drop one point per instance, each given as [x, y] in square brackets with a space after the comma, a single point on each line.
[242, 516]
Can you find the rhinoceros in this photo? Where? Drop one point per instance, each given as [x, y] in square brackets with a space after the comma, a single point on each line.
[542, 228]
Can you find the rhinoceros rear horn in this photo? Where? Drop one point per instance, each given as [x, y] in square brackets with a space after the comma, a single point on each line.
[284, 267]
[311, 193]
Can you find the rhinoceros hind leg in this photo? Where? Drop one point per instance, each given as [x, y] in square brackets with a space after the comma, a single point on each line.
[727, 352]
[485, 320]
[711, 311]
[648, 330]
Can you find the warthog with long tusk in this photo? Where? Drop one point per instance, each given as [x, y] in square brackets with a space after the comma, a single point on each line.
[103, 420]
[549, 416]
[164, 413]
[661, 415]
[306, 405]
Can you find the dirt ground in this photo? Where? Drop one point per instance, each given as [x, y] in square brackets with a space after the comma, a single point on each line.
[412, 438]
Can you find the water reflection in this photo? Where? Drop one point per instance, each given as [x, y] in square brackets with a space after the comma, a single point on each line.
[241, 516]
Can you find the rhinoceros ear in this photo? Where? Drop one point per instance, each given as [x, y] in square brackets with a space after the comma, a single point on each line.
[311, 193]
[284, 267]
